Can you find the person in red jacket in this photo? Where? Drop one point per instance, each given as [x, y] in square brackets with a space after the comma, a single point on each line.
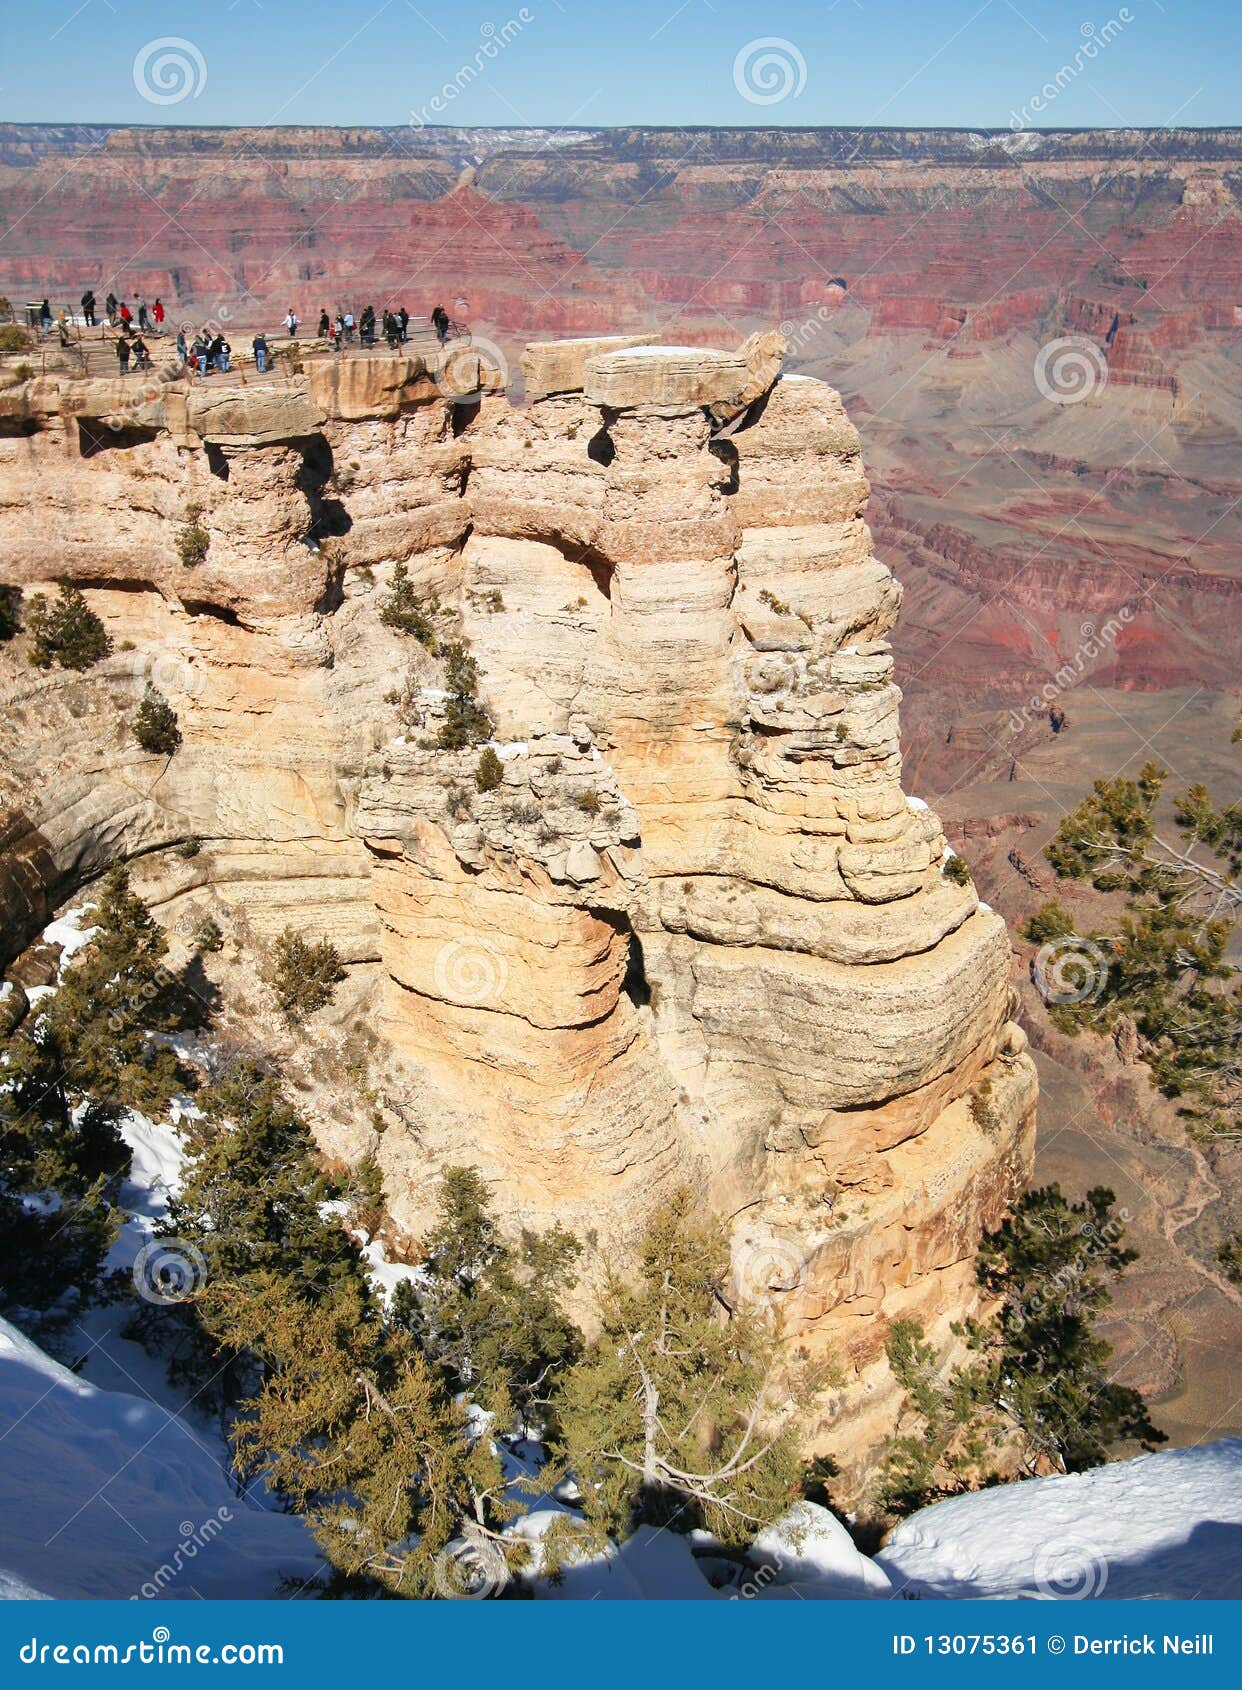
[127, 316]
[157, 311]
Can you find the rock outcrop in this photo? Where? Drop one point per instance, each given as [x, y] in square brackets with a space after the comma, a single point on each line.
[696, 934]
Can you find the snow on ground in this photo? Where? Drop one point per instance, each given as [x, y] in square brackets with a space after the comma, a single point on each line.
[100, 1490]
[66, 933]
[1164, 1525]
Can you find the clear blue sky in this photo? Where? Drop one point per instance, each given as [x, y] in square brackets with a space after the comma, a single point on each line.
[586, 62]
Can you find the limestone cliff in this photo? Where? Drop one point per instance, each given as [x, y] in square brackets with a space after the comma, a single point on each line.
[697, 933]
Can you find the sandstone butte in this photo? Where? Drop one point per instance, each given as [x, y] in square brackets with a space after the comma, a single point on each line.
[697, 935]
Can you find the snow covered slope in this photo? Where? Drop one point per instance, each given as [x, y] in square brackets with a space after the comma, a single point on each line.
[1166, 1525]
[103, 1494]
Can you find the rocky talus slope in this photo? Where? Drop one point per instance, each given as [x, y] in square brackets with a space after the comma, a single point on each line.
[696, 934]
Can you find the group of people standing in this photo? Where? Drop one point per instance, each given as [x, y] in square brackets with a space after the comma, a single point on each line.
[118, 313]
[394, 326]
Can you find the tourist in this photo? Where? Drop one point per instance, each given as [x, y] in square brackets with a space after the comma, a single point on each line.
[291, 323]
[158, 313]
[144, 321]
[110, 310]
[218, 354]
[126, 315]
[259, 343]
[183, 350]
[440, 320]
[198, 354]
[348, 320]
[142, 358]
[340, 331]
[366, 327]
[325, 323]
[62, 323]
[122, 353]
[403, 317]
[88, 309]
[45, 316]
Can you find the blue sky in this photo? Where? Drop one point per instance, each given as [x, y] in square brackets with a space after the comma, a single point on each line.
[587, 62]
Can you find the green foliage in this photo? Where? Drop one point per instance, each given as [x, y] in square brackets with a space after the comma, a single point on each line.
[155, 725]
[1168, 957]
[193, 541]
[68, 633]
[588, 802]
[208, 936]
[1229, 1257]
[355, 1430]
[466, 722]
[10, 611]
[13, 338]
[1038, 1382]
[672, 1416]
[488, 1312]
[957, 869]
[366, 1197]
[303, 974]
[405, 611]
[490, 772]
[69, 1071]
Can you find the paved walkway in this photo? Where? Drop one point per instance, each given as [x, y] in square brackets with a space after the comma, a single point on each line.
[94, 354]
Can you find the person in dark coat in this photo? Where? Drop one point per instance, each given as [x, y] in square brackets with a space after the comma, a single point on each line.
[403, 317]
[440, 322]
[259, 343]
[88, 309]
[45, 316]
[110, 310]
[325, 323]
[122, 353]
[142, 358]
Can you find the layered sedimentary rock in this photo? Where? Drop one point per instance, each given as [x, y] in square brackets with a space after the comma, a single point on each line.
[697, 934]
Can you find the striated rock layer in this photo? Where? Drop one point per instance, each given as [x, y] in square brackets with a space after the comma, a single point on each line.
[697, 934]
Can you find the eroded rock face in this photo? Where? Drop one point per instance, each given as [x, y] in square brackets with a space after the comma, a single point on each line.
[696, 933]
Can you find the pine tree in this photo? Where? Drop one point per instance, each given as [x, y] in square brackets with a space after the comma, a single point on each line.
[1037, 1387]
[69, 633]
[10, 612]
[155, 725]
[405, 611]
[672, 1415]
[304, 974]
[1165, 965]
[466, 722]
[355, 1431]
[489, 1313]
[490, 771]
